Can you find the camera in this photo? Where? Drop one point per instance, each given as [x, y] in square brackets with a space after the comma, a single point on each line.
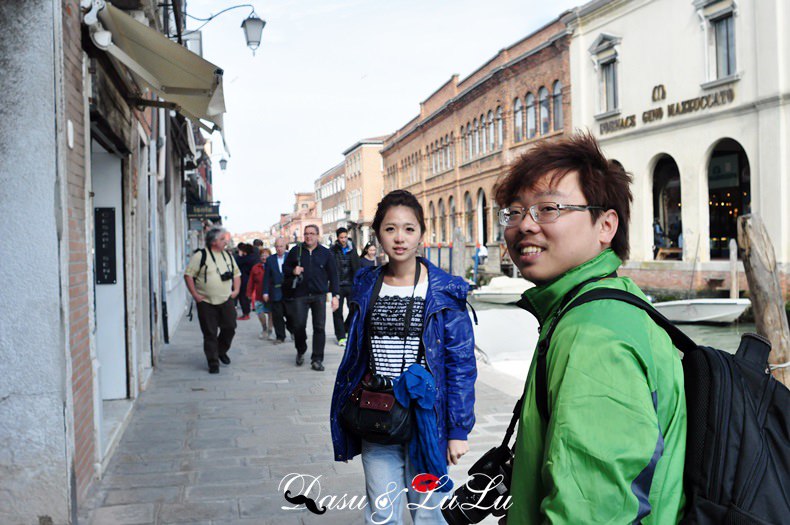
[226, 276]
[378, 383]
[489, 481]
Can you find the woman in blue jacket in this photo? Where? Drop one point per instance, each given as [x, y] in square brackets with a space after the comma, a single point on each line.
[440, 323]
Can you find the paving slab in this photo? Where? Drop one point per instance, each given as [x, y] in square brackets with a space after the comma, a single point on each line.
[214, 449]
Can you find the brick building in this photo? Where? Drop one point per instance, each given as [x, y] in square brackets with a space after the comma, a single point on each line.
[469, 131]
[330, 195]
[305, 213]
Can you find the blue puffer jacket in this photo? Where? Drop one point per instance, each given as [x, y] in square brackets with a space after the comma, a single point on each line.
[449, 352]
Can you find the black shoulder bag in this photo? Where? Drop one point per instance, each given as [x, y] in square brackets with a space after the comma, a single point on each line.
[371, 411]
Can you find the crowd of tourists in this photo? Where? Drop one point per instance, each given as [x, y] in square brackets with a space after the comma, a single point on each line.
[601, 427]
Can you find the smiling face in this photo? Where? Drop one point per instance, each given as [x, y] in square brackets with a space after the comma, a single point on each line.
[400, 234]
[543, 252]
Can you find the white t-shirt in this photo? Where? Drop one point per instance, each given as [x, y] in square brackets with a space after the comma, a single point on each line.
[387, 324]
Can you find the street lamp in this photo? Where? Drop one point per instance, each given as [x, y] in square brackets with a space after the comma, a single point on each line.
[252, 26]
[223, 163]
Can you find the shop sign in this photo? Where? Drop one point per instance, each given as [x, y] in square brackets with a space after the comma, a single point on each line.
[202, 211]
[673, 109]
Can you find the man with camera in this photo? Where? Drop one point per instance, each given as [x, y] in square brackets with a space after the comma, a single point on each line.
[310, 272]
[214, 281]
[602, 429]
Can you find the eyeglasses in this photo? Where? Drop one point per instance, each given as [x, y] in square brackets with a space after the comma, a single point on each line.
[542, 212]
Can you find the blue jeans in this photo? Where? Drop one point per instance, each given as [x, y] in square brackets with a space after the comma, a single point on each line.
[388, 477]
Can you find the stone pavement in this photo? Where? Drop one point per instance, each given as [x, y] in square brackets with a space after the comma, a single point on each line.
[213, 449]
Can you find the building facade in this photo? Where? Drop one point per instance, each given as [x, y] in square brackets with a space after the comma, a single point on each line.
[364, 185]
[466, 135]
[330, 196]
[98, 178]
[692, 98]
[305, 213]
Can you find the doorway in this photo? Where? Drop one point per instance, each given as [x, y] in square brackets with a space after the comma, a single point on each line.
[109, 289]
[729, 195]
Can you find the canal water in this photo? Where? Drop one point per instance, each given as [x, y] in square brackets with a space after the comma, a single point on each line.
[506, 335]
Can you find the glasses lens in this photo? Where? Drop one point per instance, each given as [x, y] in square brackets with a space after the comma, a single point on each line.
[510, 216]
[546, 212]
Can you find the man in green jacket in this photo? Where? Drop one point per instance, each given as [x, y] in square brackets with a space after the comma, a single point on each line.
[613, 447]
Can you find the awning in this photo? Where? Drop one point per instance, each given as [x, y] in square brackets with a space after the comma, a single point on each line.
[176, 74]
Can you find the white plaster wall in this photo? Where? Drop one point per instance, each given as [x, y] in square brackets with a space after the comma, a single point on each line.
[663, 43]
[34, 448]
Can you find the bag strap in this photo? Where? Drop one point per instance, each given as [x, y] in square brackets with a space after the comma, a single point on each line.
[681, 341]
[406, 322]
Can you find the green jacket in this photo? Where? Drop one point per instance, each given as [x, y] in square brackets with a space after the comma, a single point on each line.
[614, 447]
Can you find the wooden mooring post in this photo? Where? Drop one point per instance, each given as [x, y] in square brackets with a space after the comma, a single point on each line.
[759, 261]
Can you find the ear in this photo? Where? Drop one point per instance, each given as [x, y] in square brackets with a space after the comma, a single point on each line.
[607, 227]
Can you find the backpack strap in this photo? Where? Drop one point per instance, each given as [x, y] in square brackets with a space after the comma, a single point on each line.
[203, 264]
[681, 341]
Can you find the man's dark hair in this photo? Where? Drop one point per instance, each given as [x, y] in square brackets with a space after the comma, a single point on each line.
[398, 198]
[340, 230]
[603, 182]
[257, 242]
[313, 226]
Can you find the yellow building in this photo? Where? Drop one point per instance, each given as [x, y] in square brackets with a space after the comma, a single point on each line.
[364, 180]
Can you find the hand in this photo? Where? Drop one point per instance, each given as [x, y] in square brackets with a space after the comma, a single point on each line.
[335, 303]
[265, 298]
[298, 270]
[455, 449]
[199, 298]
[233, 295]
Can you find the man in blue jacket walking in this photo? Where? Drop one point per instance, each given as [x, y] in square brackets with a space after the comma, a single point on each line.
[273, 289]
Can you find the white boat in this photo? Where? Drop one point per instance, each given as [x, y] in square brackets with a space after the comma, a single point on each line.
[502, 290]
[703, 310]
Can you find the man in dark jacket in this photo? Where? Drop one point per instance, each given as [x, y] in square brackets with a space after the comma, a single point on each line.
[310, 271]
[273, 288]
[347, 261]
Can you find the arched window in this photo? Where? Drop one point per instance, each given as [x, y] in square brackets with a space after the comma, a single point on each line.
[432, 220]
[557, 102]
[462, 134]
[491, 137]
[451, 149]
[482, 222]
[483, 132]
[441, 154]
[545, 118]
[500, 127]
[476, 141]
[442, 222]
[531, 124]
[469, 138]
[451, 205]
[445, 152]
[518, 121]
[469, 212]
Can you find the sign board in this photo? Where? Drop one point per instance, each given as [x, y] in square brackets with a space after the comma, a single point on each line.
[202, 211]
[105, 263]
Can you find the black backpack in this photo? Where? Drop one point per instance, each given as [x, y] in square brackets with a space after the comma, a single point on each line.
[737, 468]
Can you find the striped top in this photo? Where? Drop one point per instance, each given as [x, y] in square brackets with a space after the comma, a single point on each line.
[387, 325]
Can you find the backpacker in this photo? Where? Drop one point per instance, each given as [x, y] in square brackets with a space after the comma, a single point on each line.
[737, 468]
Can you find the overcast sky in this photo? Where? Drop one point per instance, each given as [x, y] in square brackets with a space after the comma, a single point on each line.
[331, 72]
